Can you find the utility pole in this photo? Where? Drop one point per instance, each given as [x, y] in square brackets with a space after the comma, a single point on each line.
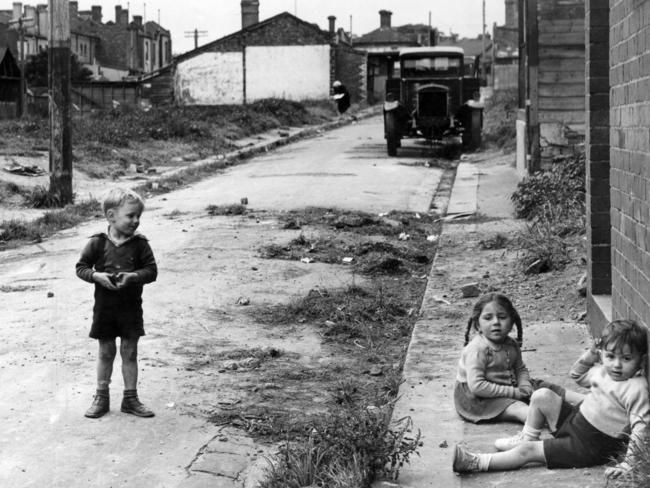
[59, 85]
[483, 45]
[21, 62]
[196, 34]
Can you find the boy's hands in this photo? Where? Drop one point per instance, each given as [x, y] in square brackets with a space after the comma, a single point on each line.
[114, 281]
[107, 280]
[521, 394]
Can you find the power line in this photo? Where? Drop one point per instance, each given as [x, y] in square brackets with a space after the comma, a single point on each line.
[196, 34]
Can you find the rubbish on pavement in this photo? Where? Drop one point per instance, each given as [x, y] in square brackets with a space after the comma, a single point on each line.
[22, 170]
[404, 236]
[243, 301]
[347, 260]
[306, 260]
[470, 290]
[441, 300]
[432, 238]
[462, 215]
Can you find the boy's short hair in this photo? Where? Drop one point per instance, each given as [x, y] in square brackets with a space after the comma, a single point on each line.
[116, 197]
[621, 333]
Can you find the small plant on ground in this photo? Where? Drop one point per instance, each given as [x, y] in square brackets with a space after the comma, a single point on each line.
[349, 448]
[562, 186]
[500, 115]
[639, 475]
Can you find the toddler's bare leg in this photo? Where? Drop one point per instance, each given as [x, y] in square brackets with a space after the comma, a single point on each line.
[105, 358]
[545, 406]
[129, 353]
[524, 453]
[516, 412]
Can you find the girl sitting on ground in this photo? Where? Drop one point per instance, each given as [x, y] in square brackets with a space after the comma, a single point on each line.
[493, 383]
[611, 418]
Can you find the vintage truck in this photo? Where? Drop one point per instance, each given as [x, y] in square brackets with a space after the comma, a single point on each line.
[431, 96]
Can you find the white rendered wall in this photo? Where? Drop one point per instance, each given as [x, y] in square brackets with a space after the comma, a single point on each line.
[288, 72]
[210, 79]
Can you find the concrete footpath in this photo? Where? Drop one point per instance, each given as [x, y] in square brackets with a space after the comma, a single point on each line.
[482, 188]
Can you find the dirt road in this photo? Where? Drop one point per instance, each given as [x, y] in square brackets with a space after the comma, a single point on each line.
[206, 263]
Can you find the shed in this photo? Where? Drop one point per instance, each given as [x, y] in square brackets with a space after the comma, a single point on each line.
[280, 57]
[9, 84]
[551, 81]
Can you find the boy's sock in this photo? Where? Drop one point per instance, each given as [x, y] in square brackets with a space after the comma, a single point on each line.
[530, 433]
[484, 461]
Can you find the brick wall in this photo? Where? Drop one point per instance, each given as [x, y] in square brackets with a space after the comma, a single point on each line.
[350, 68]
[630, 158]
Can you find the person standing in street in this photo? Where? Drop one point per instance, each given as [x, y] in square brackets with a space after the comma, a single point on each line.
[118, 262]
[341, 96]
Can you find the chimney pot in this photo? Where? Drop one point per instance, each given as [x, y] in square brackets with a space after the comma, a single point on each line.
[250, 13]
[96, 13]
[384, 18]
[332, 21]
[73, 7]
[17, 10]
[137, 19]
[118, 14]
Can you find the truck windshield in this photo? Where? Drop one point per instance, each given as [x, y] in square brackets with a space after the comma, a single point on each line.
[433, 66]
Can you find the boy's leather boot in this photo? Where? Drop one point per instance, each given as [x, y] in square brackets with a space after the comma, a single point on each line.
[100, 405]
[131, 404]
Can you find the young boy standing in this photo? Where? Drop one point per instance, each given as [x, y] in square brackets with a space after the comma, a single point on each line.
[611, 417]
[119, 262]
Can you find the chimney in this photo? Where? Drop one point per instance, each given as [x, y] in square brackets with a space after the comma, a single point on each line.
[332, 20]
[18, 11]
[512, 14]
[96, 13]
[137, 19]
[124, 17]
[73, 6]
[250, 13]
[118, 14]
[384, 18]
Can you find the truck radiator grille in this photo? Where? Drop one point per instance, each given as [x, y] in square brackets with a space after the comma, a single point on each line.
[432, 104]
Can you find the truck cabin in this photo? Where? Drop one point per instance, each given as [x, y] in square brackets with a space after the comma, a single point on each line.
[432, 62]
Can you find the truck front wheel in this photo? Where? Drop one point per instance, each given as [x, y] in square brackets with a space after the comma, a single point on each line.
[392, 136]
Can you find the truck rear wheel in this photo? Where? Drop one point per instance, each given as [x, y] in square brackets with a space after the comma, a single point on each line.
[392, 137]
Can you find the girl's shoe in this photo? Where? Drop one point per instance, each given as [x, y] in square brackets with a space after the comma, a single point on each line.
[99, 407]
[507, 443]
[465, 461]
[132, 405]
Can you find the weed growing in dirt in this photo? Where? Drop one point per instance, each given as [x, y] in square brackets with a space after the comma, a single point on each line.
[639, 475]
[34, 231]
[561, 186]
[234, 209]
[499, 116]
[354, 312]
[349, 448]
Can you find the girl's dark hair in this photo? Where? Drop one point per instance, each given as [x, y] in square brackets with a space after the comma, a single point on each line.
[621, 333]
[502, 301]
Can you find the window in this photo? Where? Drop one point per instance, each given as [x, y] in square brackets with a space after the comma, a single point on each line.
[439, 65]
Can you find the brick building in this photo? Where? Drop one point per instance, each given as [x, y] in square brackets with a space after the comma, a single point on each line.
[112, 50]
[618, 160]
[280, 57]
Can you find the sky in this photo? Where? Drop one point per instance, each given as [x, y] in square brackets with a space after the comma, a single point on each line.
[218, 18]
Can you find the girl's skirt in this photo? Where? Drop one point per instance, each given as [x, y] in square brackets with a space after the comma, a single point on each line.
[477, 409]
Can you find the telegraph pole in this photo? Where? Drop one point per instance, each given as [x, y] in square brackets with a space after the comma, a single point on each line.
[483, 45]
[59, 85]
[196, 34]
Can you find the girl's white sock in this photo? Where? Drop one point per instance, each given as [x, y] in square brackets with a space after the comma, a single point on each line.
[531, 433]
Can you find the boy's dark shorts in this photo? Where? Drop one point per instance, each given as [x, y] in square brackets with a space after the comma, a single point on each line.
[578, 444]
[111, 330]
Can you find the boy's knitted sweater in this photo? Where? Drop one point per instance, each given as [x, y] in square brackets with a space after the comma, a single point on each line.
[493, 370]
[615, 408]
